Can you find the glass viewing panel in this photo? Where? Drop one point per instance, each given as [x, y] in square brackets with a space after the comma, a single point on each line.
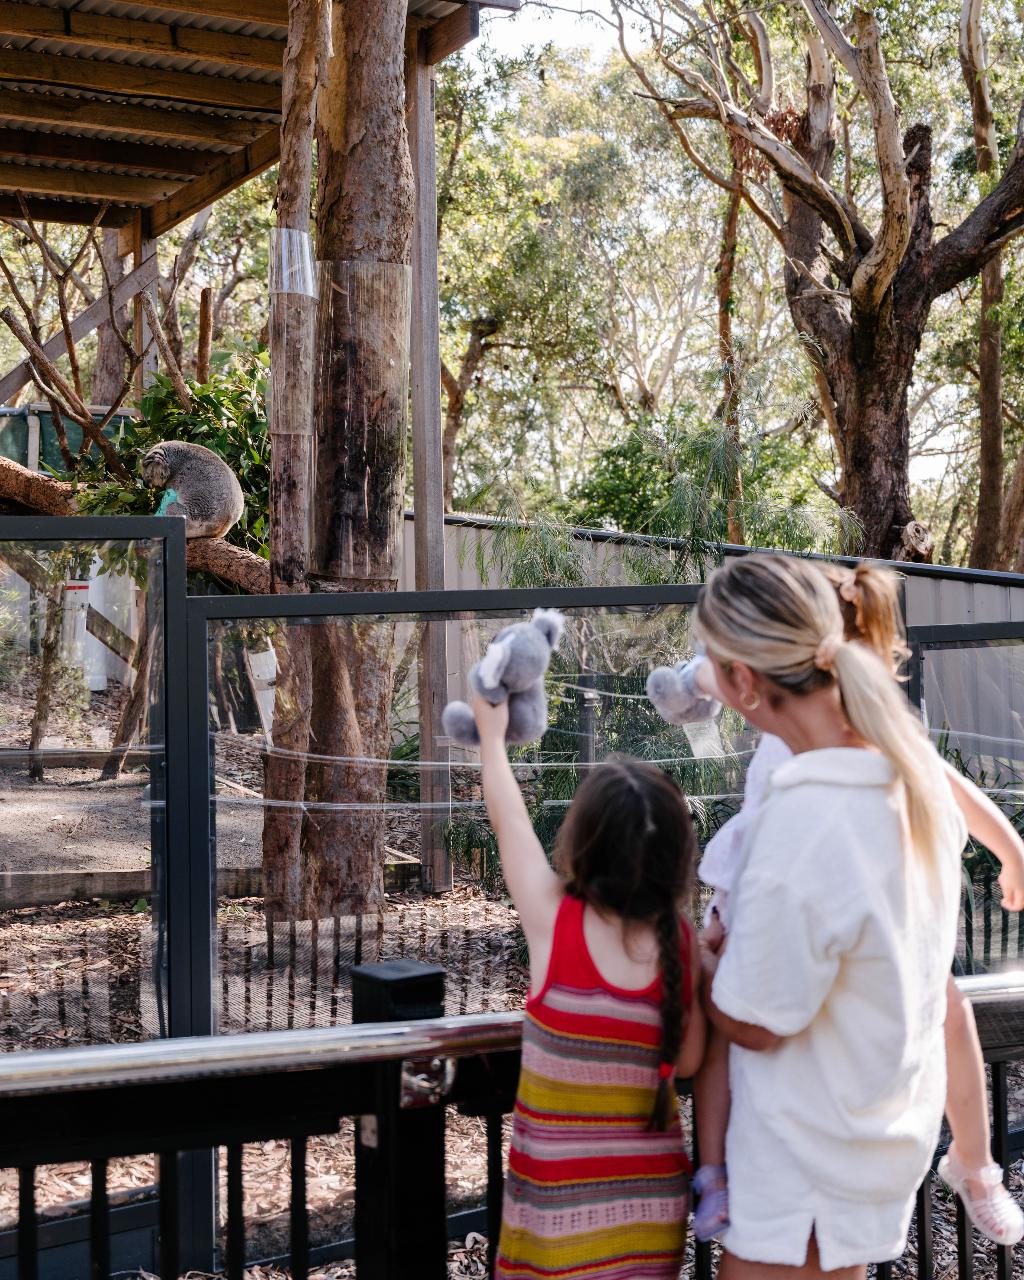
[82, 943]
[973, 702]
[323, 781]
[322, 772]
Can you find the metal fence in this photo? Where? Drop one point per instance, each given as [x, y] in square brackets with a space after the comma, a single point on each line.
[190, 959]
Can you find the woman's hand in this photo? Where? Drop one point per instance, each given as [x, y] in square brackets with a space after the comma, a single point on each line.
[1011, 881]
[713, 936]
[491, 720]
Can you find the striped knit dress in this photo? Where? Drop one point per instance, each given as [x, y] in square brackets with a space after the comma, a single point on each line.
[590, 1192]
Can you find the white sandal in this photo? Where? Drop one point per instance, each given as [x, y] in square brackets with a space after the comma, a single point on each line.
[996, 1214]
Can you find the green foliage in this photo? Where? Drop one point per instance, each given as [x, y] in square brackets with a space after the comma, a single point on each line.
[228, 416]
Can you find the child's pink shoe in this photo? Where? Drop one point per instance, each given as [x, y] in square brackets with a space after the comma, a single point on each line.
[712, 1213]
[995, 1213]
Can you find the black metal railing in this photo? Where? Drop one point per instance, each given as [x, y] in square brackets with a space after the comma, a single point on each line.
[395, 1078]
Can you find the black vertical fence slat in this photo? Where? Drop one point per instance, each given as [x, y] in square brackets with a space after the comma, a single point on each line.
[170, 1210]
[925, 1240]
[964, 1243]
[299, 1216]
[1001, 1151]
[236, 1214]
[495, 1187]
[28, 1230]
[99, 1222]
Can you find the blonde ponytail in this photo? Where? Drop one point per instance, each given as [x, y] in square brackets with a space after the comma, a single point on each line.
[879, 712]
[781, 616]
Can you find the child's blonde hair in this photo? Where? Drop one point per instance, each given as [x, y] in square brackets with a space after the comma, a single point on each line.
[781, 617]
[869, 601]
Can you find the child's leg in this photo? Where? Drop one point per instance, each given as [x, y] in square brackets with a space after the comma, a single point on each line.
[966, 1091]
[968, 1166]
[711, 1106]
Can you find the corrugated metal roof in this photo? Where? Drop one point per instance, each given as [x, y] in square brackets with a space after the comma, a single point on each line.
[206, 95]
[137, 58]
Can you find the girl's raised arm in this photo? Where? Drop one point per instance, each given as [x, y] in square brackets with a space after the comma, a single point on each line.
[535, 888]
[990, 827]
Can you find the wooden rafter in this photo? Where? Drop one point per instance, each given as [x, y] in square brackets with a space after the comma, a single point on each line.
[138, 81]
[232, 171]
[452, 33]
[153, 122]
[30, 144]
[84, 183]
[76, 212]
[101, 31]
[270, 13]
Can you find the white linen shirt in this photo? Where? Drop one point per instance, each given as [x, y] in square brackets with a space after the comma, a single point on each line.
[842, 944]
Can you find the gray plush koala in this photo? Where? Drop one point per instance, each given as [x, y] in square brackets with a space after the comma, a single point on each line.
[513, 667]
[677, 696]
[197, 485]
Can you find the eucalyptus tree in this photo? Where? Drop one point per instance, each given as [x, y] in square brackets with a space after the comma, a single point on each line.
[860, 279]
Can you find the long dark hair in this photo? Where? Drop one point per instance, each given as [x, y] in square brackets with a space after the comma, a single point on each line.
[627, 846]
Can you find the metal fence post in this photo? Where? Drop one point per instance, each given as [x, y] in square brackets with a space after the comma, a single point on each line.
[401, 1225]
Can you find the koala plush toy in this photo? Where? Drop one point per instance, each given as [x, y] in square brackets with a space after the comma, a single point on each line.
[513, 667]
[197, 485]
[677, 694]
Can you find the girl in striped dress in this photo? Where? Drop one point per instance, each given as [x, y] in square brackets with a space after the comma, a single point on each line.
[598, 1177]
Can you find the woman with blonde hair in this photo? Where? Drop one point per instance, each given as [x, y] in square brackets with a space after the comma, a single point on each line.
[832, 988]
[869, 603]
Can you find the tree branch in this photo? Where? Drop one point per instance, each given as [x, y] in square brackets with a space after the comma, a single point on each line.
[998, 219]
[40, 493]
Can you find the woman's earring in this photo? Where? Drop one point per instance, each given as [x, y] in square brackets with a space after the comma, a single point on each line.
[751, 706]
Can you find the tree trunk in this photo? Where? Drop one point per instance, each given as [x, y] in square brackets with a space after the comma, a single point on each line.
[292, 343]
[455, 390]
[111, 357]
[455, 401]
[867, 361]
[730, 406]
[49, 665]
[364, 219]
[133, 713]
[985, 546]
[204, 346]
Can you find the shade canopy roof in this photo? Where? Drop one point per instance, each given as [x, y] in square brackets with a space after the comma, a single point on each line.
[154, 109]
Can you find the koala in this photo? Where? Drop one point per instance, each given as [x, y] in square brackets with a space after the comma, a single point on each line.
[677, 694]
[198, 485]
[513, 667]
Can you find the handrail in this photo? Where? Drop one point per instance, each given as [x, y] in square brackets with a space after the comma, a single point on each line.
[205, 1057]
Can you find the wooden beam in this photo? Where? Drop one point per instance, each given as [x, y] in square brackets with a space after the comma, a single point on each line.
[94, 76]
[232, 172]
[73, 212]
[270, 13]
[119, 117]
[83, 324]
[452, 33]
[86, 183]
[100, 31]
[33, 144]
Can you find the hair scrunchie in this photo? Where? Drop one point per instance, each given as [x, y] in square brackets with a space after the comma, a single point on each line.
[825, 654]
[851, 591]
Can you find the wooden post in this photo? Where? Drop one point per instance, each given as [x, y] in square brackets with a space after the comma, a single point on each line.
[205, 336]
[143, 248]
[427, 469]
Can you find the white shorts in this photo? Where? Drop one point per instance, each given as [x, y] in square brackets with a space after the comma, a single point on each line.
[774, 1208]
